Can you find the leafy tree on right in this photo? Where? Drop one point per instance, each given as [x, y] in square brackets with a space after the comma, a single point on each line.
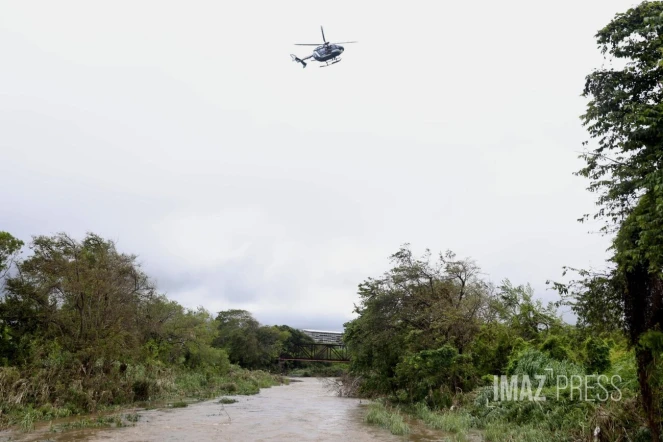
[625, 118]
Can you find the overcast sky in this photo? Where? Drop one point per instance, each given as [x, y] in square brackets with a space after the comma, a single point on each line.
[184, 131]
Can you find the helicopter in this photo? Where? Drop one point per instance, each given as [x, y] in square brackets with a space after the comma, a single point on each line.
[326, 52]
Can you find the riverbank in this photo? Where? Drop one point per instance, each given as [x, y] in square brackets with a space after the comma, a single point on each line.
[477, 417]
[152, 389]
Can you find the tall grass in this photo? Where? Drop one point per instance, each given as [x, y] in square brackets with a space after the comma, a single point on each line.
[564, 416]
[452, 422]
[532, 362]
[503, 432]
[24, 401]
[391, 420]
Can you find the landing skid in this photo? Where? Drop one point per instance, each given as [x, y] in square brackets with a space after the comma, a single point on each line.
[329, 63]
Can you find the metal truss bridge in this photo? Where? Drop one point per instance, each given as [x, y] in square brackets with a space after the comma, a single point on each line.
[317, 352]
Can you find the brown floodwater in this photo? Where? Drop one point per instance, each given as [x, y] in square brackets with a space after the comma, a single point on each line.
[304, 410]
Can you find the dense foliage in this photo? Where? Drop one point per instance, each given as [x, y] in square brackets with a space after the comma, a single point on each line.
[625, 116]
[82, 327]
[429, 328]
[430, 336]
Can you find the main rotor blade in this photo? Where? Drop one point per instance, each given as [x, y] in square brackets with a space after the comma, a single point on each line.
[309, 44]
[323, 34]
[344, 42]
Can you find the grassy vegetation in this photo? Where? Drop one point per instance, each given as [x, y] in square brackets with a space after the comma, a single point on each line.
[236, 382]
[157, 387]
[462, 425]
[132, 417]
[458, 422]
[100, 421]
[563, 417]
[318, 369]
[378, 414]
[113, 420]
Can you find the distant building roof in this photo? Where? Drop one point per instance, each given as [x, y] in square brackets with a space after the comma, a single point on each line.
[325, 337]
[321, 331]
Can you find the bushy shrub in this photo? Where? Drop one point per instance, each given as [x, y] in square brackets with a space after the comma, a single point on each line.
[554, 348]
[597, 359]
[532, 362]
[436, 375]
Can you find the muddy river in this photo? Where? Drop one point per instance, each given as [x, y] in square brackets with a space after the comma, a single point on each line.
[302, 411]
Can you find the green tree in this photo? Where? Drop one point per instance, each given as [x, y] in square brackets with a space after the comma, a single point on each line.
[82, 325]
[417, 305]
[515, 318]
[237, 334]
[248, 343]
[625, 116]
[435, 375]
[181, 337]
[492, 346]
[294, 338]
[86, 295]
[10, 248]
[596, 298]
[526, 316]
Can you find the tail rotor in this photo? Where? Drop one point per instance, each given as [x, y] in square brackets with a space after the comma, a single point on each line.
[298, 60]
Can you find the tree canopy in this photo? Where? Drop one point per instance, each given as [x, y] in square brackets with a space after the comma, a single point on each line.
[10, 247]
[625, 118]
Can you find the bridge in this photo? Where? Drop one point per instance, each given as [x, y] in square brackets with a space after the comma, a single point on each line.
[328, 347]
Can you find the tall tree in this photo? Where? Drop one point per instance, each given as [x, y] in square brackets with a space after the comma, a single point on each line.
[418, 305]
[10, 247]
[526, 316]
[624, 114]
[625, 117]
[248, 343]
[596, 298]
[84, 294]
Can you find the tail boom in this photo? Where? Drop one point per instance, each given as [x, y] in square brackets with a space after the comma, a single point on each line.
[298, 60]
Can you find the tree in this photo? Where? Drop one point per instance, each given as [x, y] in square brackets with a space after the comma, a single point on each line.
[525, 315]
[178, 336]
[514, 319]
[625, 116]
[293, 341]
[248, 343]
[416, 306]
[429, 373]
[296, 338]
[10, 247]
[86, 295]
[237, 334]
[596, 298]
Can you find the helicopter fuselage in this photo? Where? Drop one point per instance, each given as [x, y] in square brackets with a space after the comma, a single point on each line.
[327, 52]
